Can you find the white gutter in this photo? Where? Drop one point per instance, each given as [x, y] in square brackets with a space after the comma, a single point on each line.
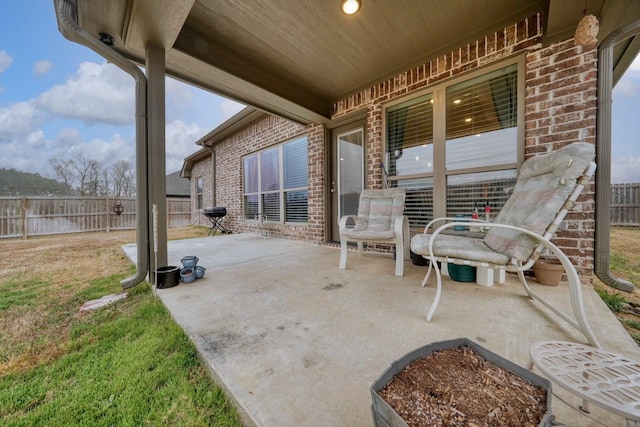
[67, 17]
[603, 156]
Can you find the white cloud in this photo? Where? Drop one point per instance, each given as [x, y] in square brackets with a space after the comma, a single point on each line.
[178, 94]
[107, 152]
[102, 94]
[5, 60]
[41, 68]
[180, 138]
[635, 65]
[97, 93]
[626, 87]
[25, 153]
[18, 119]
[228, 108]
[625, 169]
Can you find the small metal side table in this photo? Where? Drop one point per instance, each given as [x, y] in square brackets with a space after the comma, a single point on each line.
[255, 225]
[603, 378]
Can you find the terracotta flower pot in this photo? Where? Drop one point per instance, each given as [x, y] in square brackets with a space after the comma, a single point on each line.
[548, 271]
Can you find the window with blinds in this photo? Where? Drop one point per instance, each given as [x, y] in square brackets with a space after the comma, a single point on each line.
[199, 190]
[481, 120]
[410, 137]
[296, 180]
[458, 142]
[276, 183]
[471, 192]
[418, 204]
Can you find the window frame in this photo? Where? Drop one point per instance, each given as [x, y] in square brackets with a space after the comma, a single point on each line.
[281, 191]
[439, 173]
[199, 192]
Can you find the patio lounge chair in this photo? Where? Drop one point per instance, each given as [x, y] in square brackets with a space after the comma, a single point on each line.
[546, 189]
[380, 219]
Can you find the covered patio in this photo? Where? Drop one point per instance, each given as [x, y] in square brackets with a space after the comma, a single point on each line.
[297, 342]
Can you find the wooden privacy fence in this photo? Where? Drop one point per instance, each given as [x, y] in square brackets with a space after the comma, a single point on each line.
[39, 216]
[625, 204]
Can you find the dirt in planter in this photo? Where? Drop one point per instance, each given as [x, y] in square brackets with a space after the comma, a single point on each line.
[458, 387]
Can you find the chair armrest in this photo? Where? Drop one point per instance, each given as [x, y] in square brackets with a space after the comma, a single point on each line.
[343, 221]
[400, 224]
[546, 243]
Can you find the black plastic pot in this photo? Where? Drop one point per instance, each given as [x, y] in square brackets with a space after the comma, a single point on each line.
[419, 260]
[167, 277]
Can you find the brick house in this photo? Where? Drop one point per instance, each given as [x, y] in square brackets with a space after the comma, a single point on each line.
[444, 101]
[520, 98]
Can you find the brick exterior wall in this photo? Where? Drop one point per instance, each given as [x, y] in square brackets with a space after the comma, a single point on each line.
[203, 170]
[560, 107]
[264, 133]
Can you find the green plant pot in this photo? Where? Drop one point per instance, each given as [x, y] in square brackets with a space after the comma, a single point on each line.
[462, 273]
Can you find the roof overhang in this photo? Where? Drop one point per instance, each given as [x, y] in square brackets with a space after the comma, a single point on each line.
[191, 160]
[297, 58]
[235, 124]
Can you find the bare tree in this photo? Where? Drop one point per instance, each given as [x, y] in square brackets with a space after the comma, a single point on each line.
[93, 184]
[122, 179]
[64, 171]
[105, 182]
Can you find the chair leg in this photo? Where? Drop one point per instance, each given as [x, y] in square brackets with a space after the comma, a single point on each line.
[579, 320]
[343, 253]
[400, 259]
[426, 277]
[406, 239]
[436, 300]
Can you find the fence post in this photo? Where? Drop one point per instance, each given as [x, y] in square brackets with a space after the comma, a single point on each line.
[23, 224]
[106, 214]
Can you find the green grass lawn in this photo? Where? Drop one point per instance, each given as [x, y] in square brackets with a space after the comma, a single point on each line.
[127, 364]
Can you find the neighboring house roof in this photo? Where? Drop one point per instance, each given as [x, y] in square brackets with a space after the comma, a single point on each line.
[190, 161]
[235, 124]
[177, 186]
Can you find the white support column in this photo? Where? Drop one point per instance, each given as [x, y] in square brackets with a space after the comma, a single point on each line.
[155, 68]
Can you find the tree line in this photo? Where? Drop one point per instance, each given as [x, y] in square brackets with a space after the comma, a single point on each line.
[85, 177]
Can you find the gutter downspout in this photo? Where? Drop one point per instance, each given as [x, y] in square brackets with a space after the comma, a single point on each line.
[67, 16]
[603, 150]
[213, 176]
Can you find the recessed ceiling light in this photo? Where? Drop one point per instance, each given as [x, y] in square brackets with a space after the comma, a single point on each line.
[468, 119]
[350, 7]
[457, 101]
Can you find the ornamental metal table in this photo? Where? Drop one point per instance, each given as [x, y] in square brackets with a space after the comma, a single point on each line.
[601, 377]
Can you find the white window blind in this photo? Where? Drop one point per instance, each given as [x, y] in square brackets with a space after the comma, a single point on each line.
[410, 137]
[482, 120]
[276, 188]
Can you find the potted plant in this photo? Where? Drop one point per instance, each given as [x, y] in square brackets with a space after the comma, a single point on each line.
[548, 270]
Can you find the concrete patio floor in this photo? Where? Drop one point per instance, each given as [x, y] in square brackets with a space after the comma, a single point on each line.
[297, 342]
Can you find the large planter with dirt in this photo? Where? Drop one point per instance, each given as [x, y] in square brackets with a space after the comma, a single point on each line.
[462, 382]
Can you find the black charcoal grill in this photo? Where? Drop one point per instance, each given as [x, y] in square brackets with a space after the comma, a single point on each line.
[216, 217]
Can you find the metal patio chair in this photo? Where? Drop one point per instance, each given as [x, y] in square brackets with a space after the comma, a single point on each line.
[546, 189]
[380, 219]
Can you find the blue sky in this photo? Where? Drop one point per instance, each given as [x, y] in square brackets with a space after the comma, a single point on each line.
[58, 100]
